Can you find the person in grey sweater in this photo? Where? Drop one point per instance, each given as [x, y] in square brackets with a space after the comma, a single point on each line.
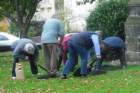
[22, 48]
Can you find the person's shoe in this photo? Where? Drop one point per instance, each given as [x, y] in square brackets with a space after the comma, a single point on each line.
[98, 72]
[14, 78]
[64, 77]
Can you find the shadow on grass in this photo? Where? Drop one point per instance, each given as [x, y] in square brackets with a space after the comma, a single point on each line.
[110, 67]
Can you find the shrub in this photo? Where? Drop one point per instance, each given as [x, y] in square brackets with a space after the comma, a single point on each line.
[109, 17]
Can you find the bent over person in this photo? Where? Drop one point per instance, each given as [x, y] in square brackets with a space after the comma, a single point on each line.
[22, 48]
[114, 48]
[81, 44]
[64, 49]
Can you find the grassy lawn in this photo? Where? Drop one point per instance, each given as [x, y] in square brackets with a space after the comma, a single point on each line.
[114, 81]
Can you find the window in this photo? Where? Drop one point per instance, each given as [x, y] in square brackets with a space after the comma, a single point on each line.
[2, 38]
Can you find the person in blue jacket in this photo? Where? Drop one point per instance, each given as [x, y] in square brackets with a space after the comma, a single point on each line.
[81, 44]
[114, 48]
[25, 48]
[51, 38]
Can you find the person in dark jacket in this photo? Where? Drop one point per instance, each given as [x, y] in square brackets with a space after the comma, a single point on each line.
[81, 44]
[114, 48]
[25, 48]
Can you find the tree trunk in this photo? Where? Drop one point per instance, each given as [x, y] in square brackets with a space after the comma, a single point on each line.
[23, 31]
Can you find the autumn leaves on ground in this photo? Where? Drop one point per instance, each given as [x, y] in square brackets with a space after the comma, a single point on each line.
[114, 81]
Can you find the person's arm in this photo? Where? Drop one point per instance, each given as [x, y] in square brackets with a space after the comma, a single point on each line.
[33, 64]
[61, 32]
[95, 40]
[33, 60]
[36, 54]
[61, 40]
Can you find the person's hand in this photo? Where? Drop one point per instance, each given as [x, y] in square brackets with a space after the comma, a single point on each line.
[98, 56]
[60, 45]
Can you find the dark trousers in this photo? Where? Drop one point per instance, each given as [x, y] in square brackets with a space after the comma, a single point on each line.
[33, 65]
[115, 53]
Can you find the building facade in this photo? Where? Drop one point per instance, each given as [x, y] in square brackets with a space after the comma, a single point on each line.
[46, 8]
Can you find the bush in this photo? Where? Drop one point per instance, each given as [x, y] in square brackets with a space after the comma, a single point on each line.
[109, 17]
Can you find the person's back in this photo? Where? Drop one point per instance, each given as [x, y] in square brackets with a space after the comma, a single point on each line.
[83, 39]
[66, 39]
[114, 42]
[18, 46]
[21, 43]
[52, 29]
[114, 49]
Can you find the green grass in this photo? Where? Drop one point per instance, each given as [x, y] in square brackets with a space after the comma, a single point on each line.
[114, 81]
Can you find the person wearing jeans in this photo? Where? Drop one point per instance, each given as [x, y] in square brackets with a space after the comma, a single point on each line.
[81, 44]
[64, 49]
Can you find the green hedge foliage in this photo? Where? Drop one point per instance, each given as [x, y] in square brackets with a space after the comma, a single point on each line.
[109, 17]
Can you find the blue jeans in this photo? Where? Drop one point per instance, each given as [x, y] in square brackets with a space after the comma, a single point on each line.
[73, 50]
